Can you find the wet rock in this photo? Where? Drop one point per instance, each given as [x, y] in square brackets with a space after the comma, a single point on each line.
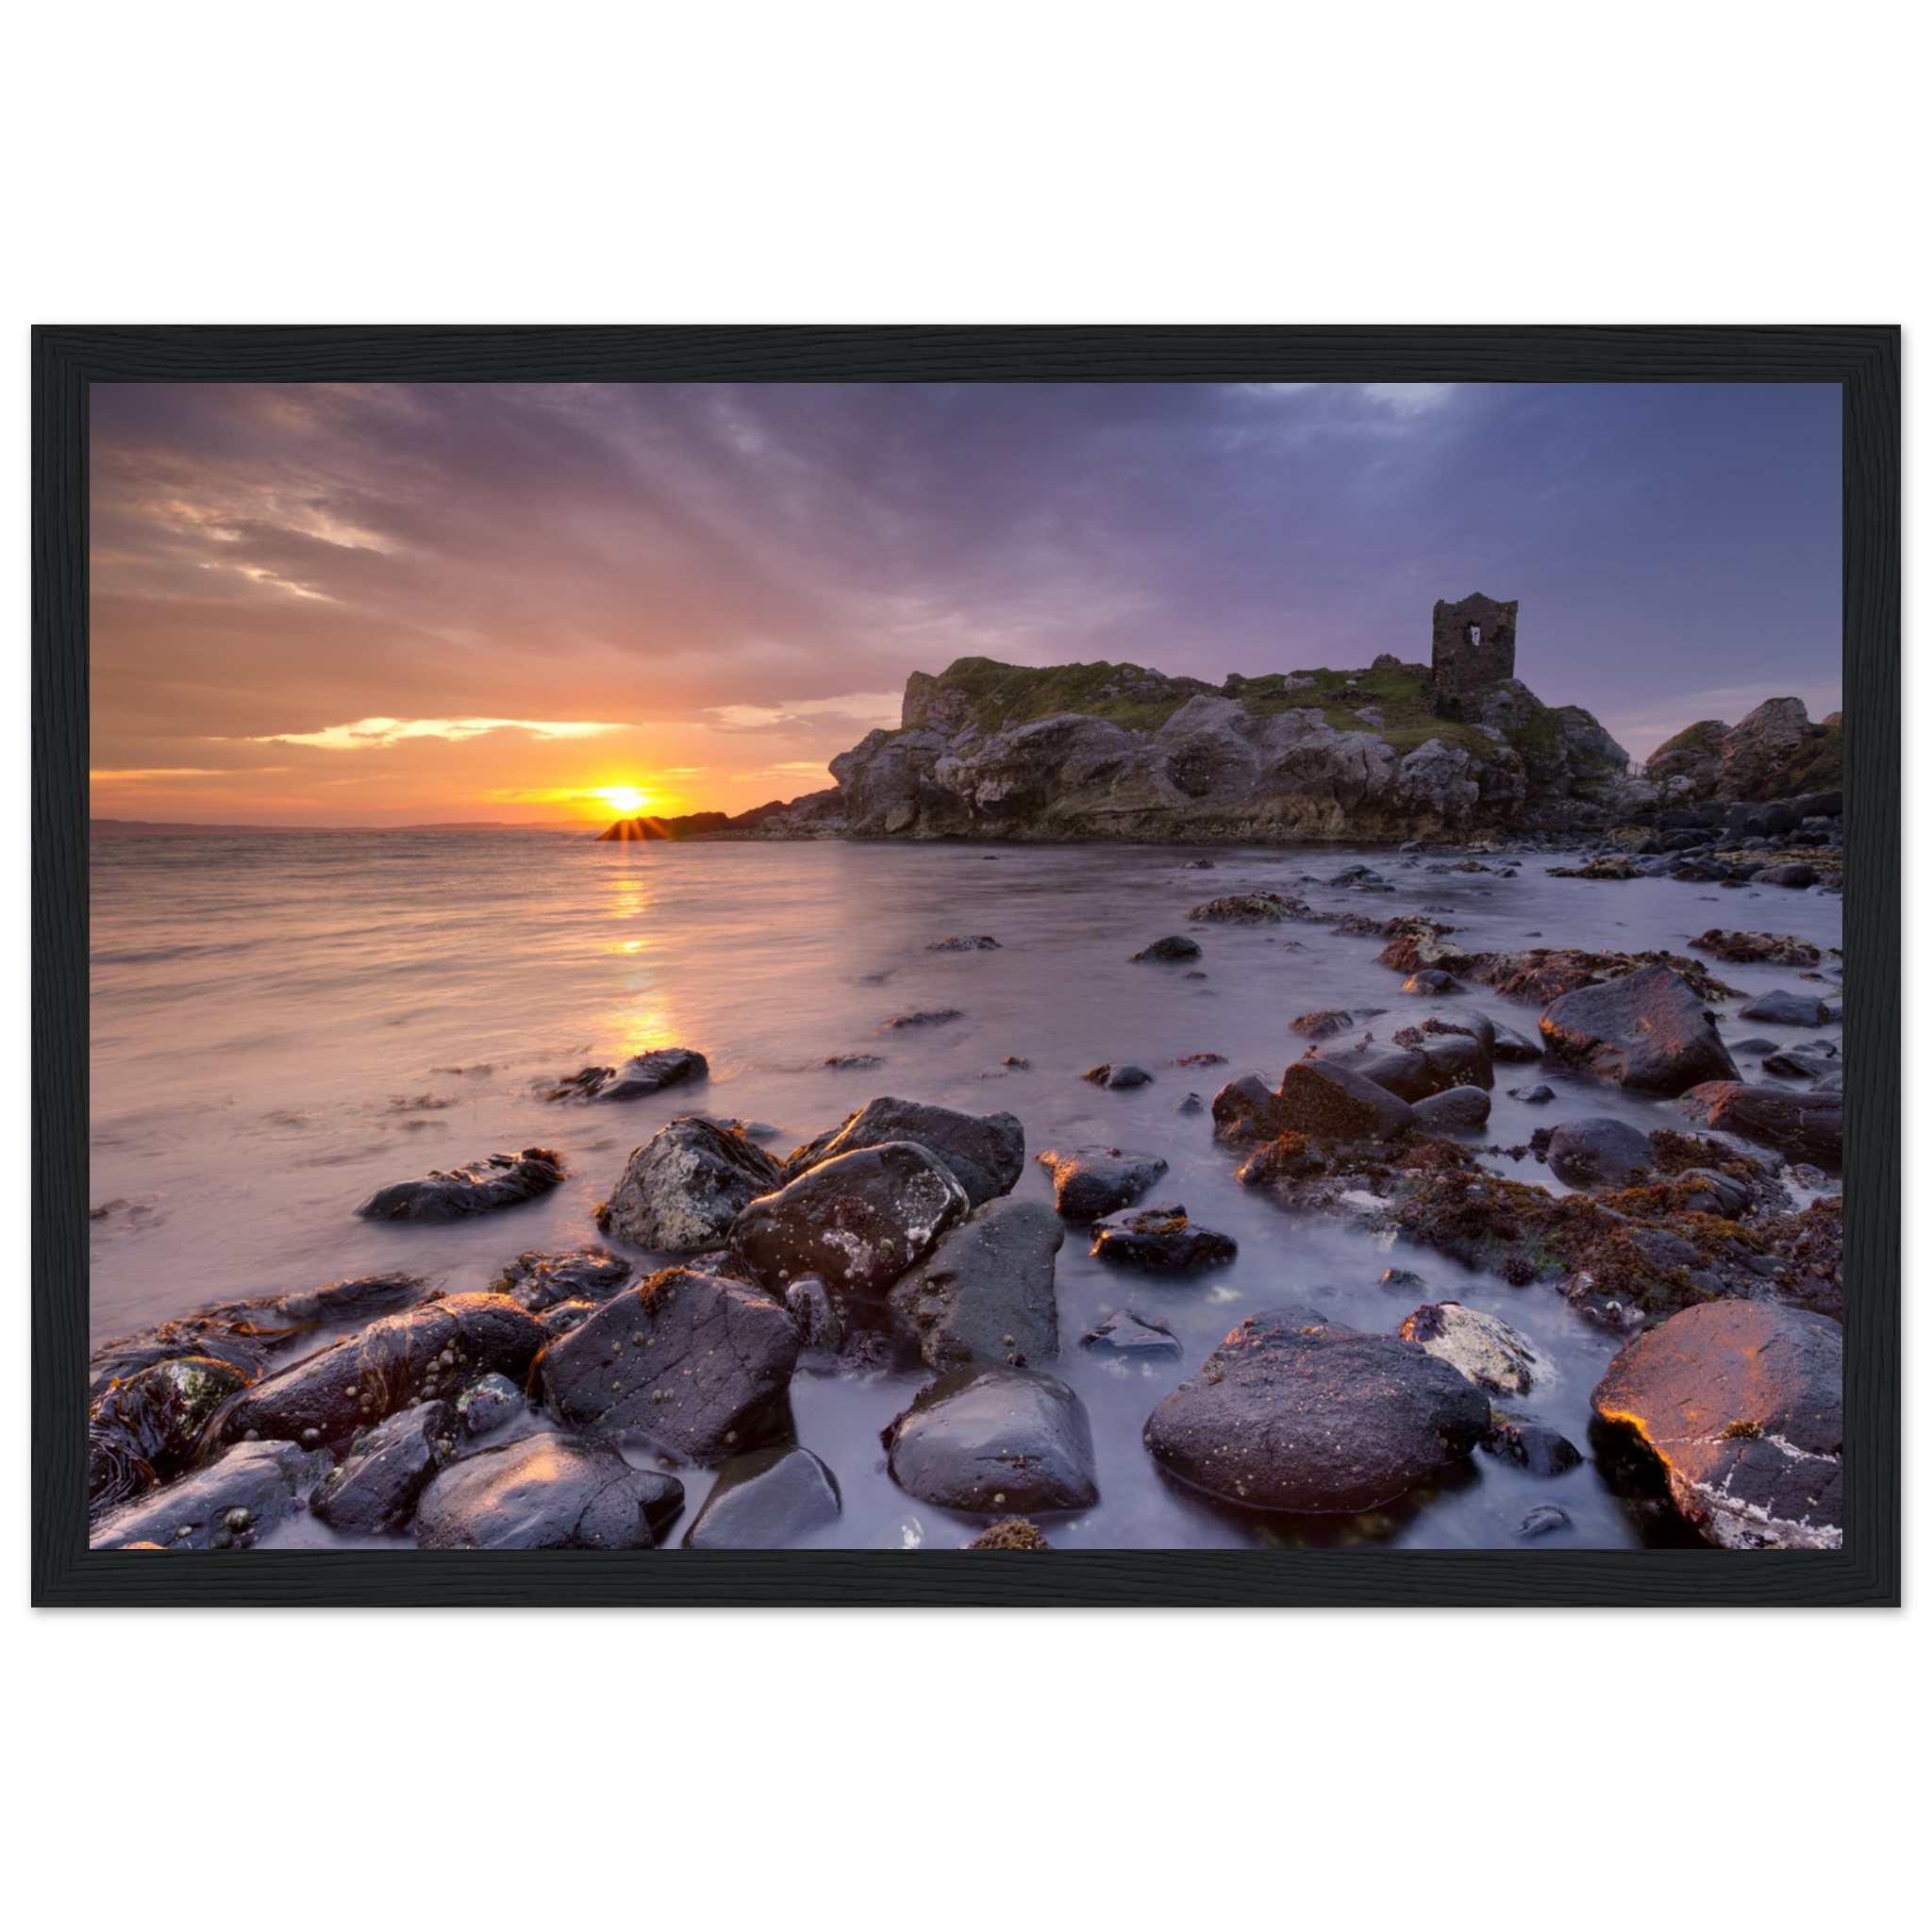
[1803, 1063]
[547, 1492]
[1756, 1043]
[394, 1364]
[502, 1180]
[1794, 876]
[1328, 1101]
[143, 1430]
[1699, 1190]
[1532, 1096]
[1288, 1157]
[1403, 1071]
[1806, 1123]
[647, 1073]
[1189, 1103]
[1458, 1059]
[1454, 1110]
[1116, 1076]
[1539, 1448]
[681, 1192]
[766, 1500]
[1647, 1031]
[1247, 1111]
[1088, 1182]
[687, 1360]
[536, 1281]
[374, 1490]
[1598, 1151]
[1133, 1338]
[991, 1440]
[1541, 1521]
[855, 1062]
[810, 1303]
[1323, 1024]
[1294, 1412]
[936, 1016]
[1741, 1401]
[1177, 946]
[965, 942]
[1431, 981]
[1250, 909]
[1783, 1009]
[488, 1403]
[1508, 1044]
[1756, 948]
[1015, 1532]
[986, 1293]
[985, 1152]
[1485, 1349]
[229, 1502]
[857, 1221]
[560, 1318]
[1161, 1240]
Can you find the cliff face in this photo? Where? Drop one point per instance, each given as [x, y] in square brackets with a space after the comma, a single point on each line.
[1775, 752]
[1112, 751]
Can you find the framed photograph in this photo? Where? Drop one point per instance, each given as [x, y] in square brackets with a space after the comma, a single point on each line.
[757, 966]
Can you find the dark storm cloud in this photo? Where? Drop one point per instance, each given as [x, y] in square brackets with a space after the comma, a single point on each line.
[274, 561]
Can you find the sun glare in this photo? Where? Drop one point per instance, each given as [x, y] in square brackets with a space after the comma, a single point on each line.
[625, 800]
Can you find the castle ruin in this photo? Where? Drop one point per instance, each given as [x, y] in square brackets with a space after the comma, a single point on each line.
[1474, 649]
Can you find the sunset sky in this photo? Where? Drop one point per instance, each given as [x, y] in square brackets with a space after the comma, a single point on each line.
[385, 604]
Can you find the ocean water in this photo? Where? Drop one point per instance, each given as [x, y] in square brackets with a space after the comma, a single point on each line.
[281, 1025]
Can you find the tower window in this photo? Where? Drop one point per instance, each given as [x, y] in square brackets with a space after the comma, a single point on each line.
[1476, 633]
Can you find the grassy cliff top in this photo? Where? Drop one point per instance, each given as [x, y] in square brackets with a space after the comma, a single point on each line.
[1137, 699]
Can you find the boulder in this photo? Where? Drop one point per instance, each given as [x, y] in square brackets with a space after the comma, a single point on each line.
[1805, 1123]
[143, 1430]
[681, 1191]
[1177, 946]
[251, 1487]
[1251, 909]
[1539, 1448]
[1454, 1110]
[1598, 1151]
[1483, 1347]
[1783, 1009]
[1247, 1111]
[766, 1500]
[1294, 1412]
[547, 1492]
[1458, 1059]
[1287, 1157]
[1793, 877]
[1532, 1096]
[857, 1221]
[502, 1180]
[1161, 1240]
[1088, 1182]
[1403, 1071]
[1647, 1031]
[984, 1152]
[986, 1293]
[1117, 1075]
[1743, 1403]
[1132, 1337]
[373, 1490]
[651, 1072]
[1804, 1063]
[1756, 948]
[418, 1356]
[810, 1303]
[1323, 1024]
[687, 1360]
[488, 1403]
[1754, 751]
[1330, 1101]
[994, 1440]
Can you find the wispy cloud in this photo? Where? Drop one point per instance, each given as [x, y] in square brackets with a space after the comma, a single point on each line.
[869, 708]
[369, 734]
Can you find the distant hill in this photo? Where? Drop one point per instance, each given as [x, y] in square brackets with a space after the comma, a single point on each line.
[169, 828]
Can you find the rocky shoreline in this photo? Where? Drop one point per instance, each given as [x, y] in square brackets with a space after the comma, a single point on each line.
[555, 1409]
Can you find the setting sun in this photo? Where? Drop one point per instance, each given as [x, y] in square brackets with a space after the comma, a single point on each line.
[625, 800]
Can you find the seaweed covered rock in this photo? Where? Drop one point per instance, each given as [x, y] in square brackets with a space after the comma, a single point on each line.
[375, 1487]
[1010, 1533]
[687, 1360]
[225, 1504]
[1117, 1074]
[856, 1221]
[547, 1492]
[537, 1282]
[1323, 1024]
[984, 1152]
[403, 1360]
[643, 1074]
[681, 1191]
[1756, 948]
[143, 1430]
[1175, 946]
[1598, 1151]
[1804, 1124]
[1251, 909]
[767, 1499]
[1330, 1101]
[1088, 1182]
[991, 1439]
[1293, 1412]
[1247, 1111]
[501, 1180]
[1743, 1403]
[1647, 1031]
[1161, 1241]
[986, 1293]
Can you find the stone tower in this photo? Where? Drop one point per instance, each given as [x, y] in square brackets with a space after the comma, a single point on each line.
[1474, 648]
